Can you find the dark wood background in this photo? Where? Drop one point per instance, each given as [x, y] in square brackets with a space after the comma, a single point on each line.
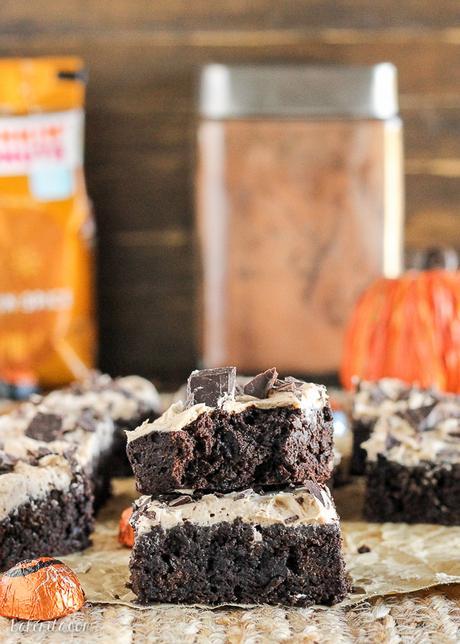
[143, 57]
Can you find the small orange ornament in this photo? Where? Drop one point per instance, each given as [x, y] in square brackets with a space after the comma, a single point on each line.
[40, 589]
[125, 531]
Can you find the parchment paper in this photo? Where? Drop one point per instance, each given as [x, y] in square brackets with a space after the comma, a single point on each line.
[402, 558]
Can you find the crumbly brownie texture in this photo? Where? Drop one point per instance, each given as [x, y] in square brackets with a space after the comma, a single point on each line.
[279, 434]
[46, 508]
[278, 548]
[223, 564]
[373, 400]
[425, 493]
[414, 464]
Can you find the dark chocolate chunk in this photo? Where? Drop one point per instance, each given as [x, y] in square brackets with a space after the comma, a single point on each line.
[288, 385]
[363, 549]
[87, 421]
[45, 427]
[7, 462]
[315, 490]
[291, 519]
[416, 417]
[211, 386]
[261, 384]
[391, 441]
[181, 500]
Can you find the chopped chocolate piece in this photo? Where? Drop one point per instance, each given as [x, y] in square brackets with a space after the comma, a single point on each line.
[7, 462]
[291, 519]
[391, 441]
[45, 427]
[314, 489]
[363, 549]
[87, 421]
[211, 386]
[181, 500]
[261, 384]
[415, 417]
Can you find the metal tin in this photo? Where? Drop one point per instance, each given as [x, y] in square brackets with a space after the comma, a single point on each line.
[290, 91]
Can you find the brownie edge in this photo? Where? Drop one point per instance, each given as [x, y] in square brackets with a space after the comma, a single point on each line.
[424, 493]
[236, 562]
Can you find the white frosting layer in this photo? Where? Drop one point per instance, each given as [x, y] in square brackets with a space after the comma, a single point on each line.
[388, 395]
[437, 440]
[89, 444]
[102, 395]
[296, 507]
[27, 483]
[309, 399]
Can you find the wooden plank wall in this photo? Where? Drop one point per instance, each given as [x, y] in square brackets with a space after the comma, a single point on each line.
[143, 57]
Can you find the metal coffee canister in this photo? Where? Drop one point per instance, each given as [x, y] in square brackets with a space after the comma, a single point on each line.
[299, 201]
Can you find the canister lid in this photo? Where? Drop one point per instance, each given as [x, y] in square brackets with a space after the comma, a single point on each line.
[290, 91]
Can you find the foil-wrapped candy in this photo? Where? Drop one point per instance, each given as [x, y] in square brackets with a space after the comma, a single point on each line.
[40, 589]
[125, 530]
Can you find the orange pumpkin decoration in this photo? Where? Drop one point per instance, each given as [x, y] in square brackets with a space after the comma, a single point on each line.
[125, 531]
[40, 589]
[407, 328]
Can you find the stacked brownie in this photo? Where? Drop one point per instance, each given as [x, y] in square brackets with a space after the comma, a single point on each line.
[56, 462]
[373, 400]
[235, 509]
[413, 469]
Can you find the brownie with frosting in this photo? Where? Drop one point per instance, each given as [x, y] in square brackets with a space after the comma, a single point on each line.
[127, 401]
[224, 437]
[275, 547]
[373, 399]
[413, 468]
[46, 503]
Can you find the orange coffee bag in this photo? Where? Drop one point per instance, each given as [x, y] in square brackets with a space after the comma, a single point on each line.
[47, 333]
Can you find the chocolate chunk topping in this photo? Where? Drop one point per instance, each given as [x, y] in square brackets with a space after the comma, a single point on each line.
[45, 427]
[7, 462]
[211, 386]
[87, 421]
[291, 519]
[416, 417]
[35, 455]
[261, 384]
[391, 441]
[363, 549]
[181, 500]
[289, 385]
[315, 490]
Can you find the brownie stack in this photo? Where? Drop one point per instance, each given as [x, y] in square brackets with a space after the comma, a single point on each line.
[235, 509]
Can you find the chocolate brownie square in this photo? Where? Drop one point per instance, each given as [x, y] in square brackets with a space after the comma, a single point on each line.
[274, 432]
[413, 470]
[279, 547]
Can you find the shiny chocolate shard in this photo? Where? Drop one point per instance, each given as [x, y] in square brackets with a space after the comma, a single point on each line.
[261, 384]
[211, 386]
